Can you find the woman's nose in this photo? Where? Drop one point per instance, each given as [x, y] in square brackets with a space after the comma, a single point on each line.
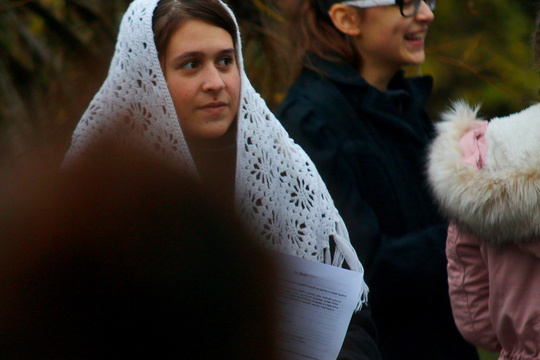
[213, 80]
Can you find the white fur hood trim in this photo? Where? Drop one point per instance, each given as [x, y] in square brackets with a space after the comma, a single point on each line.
[501, 202]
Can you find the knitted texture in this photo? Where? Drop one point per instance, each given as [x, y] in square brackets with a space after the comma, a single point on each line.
[278, 189]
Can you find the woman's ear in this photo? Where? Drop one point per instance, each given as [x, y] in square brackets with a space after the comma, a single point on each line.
[346, 19]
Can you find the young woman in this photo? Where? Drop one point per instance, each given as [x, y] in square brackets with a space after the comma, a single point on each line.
[364, 126]
[486, 176]
[177, 88]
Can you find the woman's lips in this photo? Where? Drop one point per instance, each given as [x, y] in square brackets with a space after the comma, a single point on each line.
[214, 107]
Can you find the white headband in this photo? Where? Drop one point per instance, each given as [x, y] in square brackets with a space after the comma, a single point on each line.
[369, 3]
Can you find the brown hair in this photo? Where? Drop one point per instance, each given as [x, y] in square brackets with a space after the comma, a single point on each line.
[312, 31]
[170, 14]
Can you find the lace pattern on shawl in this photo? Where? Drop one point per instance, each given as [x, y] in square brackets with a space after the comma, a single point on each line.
[273, 170]
[278, 189]
[133, 106]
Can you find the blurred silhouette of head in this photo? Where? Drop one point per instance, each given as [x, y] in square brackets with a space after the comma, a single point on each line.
[121, 256]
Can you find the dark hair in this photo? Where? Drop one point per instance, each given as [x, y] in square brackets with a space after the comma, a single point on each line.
[170, 14]
[312, 31]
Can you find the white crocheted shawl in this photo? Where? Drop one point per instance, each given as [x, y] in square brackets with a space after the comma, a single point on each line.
[278, 189]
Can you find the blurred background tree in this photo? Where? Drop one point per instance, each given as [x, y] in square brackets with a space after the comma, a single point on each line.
[481, 51]
[54, 55]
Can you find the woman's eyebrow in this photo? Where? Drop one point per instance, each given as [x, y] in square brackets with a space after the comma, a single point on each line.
[201, 54]
[187, 55]
[226, 51]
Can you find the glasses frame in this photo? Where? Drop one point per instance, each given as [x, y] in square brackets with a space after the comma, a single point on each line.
[430, 3]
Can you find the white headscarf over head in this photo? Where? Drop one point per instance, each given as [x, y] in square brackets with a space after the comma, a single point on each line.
[278, 190]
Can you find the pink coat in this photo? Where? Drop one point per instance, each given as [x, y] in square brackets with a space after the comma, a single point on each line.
[486, 177]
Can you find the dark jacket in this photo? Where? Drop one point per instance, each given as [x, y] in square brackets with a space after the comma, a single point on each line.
[369, 147]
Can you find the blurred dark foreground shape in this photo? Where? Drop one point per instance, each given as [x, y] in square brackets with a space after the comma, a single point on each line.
[122, 257]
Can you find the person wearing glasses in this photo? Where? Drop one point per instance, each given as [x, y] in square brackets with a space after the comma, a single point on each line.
[365, 126]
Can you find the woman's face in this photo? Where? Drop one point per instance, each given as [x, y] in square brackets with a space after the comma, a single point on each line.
[202, 74]
[389, 41]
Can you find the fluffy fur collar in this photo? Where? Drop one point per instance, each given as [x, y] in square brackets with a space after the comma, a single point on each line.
[501, 202]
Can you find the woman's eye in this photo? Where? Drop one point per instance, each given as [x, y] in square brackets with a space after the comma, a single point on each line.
[226, 61]
[191, 65]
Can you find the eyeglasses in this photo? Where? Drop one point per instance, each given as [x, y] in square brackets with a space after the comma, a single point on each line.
[408, 8]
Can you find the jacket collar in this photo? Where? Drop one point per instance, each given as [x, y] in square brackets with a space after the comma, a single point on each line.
[337, 71]
[413, 93]
[343, 73]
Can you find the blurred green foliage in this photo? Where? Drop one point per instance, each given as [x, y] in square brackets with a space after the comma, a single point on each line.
[481, 51]
[484, 355]
[55, 54]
